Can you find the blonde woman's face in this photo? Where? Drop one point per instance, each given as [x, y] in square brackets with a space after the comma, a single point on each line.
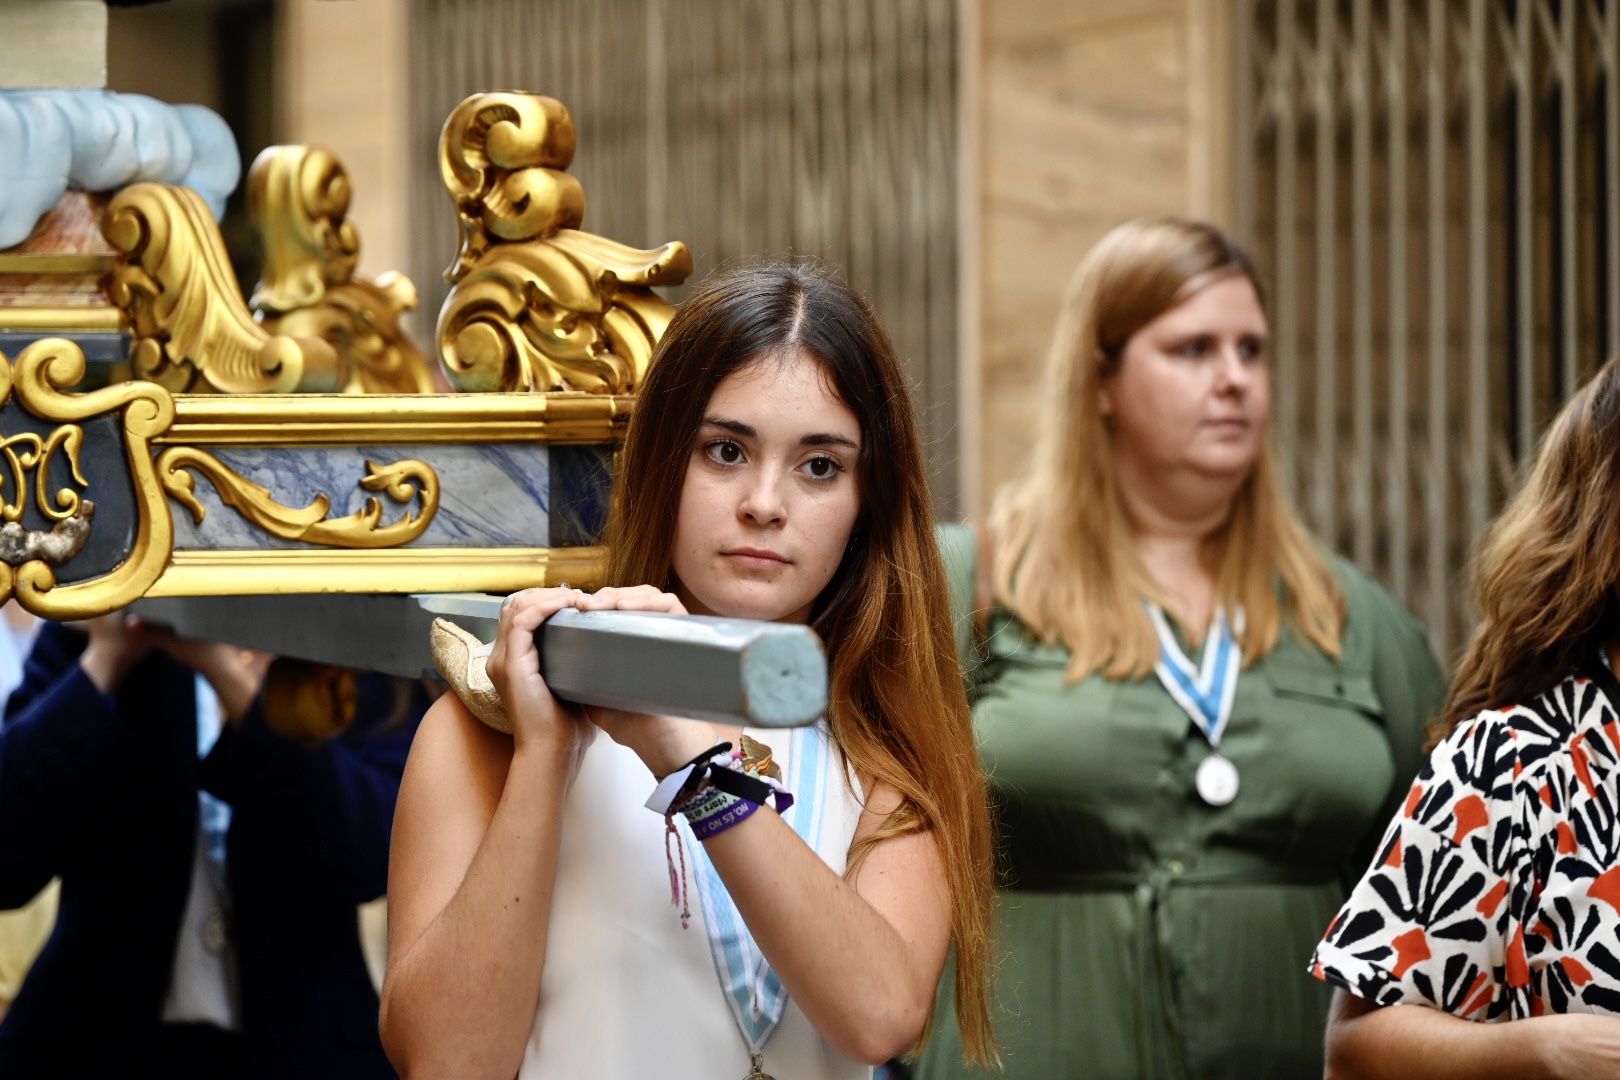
[770, 497]
[1192, 391]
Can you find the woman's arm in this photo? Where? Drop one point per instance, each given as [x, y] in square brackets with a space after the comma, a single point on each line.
[63, 740]
[860, 955]
[476, 836]
[1416, 1042]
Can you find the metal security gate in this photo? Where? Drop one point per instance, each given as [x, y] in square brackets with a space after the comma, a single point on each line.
[746, 128]
[1433, 192]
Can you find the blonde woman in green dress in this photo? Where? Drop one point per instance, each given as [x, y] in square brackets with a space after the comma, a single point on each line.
[1195, 718]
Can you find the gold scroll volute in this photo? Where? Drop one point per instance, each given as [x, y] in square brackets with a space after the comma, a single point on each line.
[192, 330]
[298, 197]
[539, 305]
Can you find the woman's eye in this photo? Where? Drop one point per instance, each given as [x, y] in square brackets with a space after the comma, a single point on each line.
[1195, 347]
[823, 468]
[723, 452]
[1252, 349]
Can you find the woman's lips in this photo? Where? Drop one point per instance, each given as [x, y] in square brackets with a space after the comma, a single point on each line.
[756, 558]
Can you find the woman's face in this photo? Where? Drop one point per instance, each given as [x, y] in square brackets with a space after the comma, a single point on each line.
[770, 496]
[1192, 392]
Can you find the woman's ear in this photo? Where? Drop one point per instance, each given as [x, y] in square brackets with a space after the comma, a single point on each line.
[1105, 400]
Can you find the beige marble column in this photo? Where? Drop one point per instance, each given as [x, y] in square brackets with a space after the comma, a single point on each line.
[1083, 114]
[342, 83]
[52, 44]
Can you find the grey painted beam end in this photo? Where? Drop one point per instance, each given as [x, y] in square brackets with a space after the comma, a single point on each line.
[727, 670]
[735, 671]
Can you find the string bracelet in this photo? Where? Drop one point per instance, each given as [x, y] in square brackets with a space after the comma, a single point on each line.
[715, 791]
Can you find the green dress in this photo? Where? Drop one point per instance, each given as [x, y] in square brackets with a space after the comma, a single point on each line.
[1142, 933]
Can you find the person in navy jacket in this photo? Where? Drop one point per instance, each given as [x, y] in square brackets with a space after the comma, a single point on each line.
[99, 782]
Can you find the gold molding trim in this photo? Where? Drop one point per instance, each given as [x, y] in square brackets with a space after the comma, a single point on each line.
[396, 570]
[339, 420]
[176, 288]
[153, 419]
[90, 317]
[43, 371]
[298, 198]
[28, 262]
[403, 482]
[539, 305]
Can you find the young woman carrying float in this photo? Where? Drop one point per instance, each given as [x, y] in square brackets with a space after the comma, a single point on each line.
[771, 471]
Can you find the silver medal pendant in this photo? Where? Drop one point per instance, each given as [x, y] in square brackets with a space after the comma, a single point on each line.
[756, 1068]
[1216, 780]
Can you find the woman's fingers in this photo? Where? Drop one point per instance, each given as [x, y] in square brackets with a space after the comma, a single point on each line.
[633, 598]
[521, 615]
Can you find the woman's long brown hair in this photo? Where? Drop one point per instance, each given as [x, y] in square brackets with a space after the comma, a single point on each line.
[897, 706]
[1548, 568]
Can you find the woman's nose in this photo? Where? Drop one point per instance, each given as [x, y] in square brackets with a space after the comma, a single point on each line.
[1232, 375]
[762, 504]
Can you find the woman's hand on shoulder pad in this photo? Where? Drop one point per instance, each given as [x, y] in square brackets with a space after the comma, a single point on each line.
[538, 718]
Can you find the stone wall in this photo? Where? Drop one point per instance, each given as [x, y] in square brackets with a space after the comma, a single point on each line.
[342, 83]
[1090, 112]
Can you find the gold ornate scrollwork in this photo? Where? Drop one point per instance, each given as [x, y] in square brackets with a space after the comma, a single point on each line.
[402, 481]
[539, 305]
[192, 330]
[28, 558]
[299, 199]
[28, 452]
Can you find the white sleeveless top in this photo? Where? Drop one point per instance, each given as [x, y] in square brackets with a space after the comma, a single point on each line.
[626, 992]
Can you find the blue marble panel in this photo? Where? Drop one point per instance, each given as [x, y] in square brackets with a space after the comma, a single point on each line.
[489, 496]
[581, 487]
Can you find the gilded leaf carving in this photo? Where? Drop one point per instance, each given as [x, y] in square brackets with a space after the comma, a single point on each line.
[28, 557]
[176, 288]
[299, 197]
[539, 305]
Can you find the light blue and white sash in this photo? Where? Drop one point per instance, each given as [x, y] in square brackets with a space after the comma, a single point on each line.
[756, 996]
[1205, 692]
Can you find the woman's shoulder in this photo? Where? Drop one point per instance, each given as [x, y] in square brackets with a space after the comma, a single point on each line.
[1365, 596]
[1377, 625]
[1526, 752]
[1547, 728]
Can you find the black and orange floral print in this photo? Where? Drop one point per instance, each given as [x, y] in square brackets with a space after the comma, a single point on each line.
[1495, 894]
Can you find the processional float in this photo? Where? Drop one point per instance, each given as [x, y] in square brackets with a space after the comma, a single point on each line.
[280, 471]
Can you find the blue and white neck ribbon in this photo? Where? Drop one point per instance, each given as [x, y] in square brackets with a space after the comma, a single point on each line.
[757, 997]
[1205, 692]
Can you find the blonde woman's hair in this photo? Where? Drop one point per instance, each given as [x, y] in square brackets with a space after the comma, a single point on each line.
[1547, 573]
[1065, 560]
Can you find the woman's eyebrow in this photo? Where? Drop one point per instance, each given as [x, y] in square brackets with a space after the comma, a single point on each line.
[827, 439]
[746, 431]
[736, 427]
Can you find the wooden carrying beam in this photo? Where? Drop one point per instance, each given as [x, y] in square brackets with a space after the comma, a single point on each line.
[736, 671]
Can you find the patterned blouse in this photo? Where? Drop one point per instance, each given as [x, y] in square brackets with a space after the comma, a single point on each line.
[1495, 893]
